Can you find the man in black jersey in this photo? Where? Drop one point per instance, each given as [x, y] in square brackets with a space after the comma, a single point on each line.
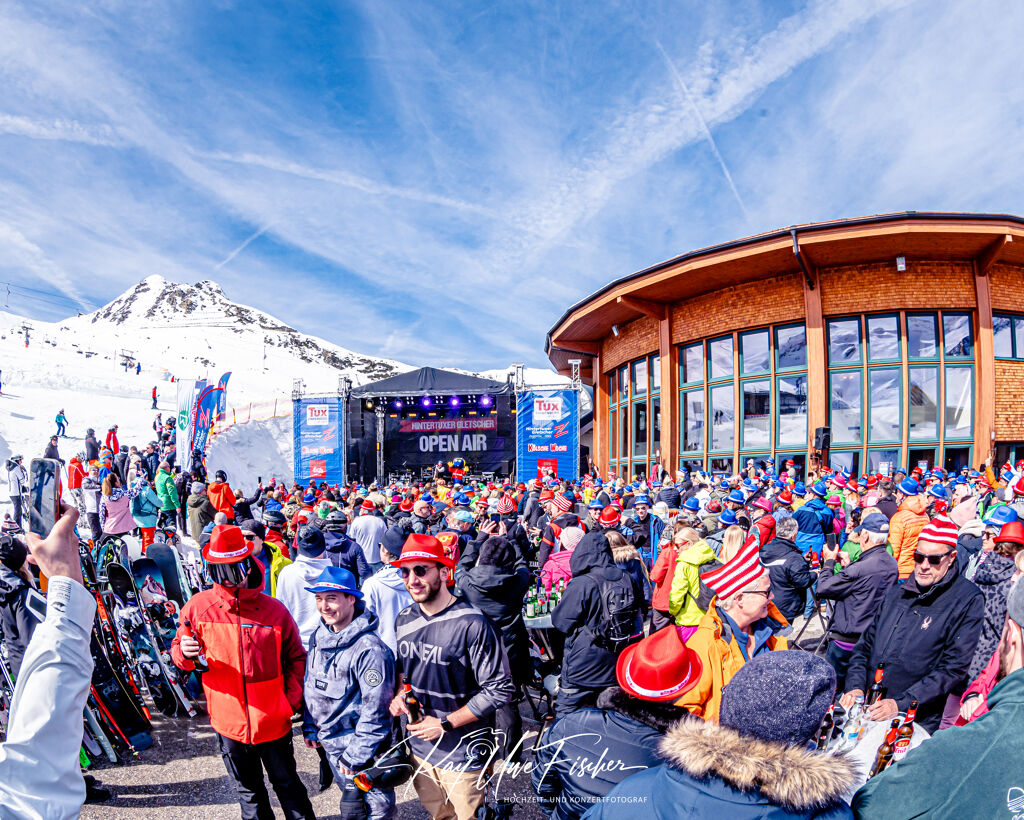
[456, 664]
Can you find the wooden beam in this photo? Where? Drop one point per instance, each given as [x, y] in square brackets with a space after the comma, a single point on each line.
[669, 444]
[988, 257]
[599, 439]
[577, 346]
[817, 385]
[809, 278]
[656, 310]
[985, 367]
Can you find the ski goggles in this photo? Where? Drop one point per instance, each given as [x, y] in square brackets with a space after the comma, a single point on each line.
[229, 575]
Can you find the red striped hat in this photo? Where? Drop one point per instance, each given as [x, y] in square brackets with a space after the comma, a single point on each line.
[563, 502]
[743, 569]
[940, 530]
[505, 505]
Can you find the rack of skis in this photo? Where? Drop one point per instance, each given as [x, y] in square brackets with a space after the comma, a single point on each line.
[138, 599]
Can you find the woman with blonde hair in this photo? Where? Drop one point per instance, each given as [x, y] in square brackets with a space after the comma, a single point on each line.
[731, 543]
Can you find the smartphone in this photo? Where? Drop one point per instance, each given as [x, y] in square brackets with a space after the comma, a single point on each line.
[259, 481]
[495, 517]
[44, 495]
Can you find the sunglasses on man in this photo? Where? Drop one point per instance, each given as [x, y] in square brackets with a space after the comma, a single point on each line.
[934, 560]
[419, 571]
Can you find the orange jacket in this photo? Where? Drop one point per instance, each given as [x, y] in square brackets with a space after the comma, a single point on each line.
[257, 663]
[222, 497]
[662, 572]
[904, 528]
[720, 660]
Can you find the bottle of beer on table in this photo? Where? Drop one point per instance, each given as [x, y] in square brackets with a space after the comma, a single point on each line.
[412, 703]
[905, 733]
[876, 691]
[884, 755]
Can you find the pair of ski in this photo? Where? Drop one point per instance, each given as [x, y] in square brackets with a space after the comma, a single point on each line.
[146, 618]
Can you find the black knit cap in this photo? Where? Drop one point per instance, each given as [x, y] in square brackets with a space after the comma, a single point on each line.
[13, 552]
[780, 696]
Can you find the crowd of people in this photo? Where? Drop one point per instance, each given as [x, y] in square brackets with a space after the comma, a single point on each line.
[389, 620]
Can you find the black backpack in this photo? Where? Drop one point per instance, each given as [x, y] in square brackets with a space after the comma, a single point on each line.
[621, 621]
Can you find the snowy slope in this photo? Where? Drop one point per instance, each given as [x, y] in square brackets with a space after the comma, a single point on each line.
[190, 331]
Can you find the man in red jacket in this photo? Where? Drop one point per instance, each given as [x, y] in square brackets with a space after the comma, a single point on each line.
[256, 671]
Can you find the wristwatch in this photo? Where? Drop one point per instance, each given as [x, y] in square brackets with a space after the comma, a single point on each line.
[446, 724]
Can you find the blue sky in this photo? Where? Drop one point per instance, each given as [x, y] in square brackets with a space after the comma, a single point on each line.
[437, 182]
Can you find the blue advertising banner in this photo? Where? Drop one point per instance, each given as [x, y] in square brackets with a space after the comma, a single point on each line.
[547, 434]
[316, 436]
[206, 407]
[222, 396]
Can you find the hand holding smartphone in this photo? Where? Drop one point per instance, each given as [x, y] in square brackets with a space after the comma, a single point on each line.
[44, 495]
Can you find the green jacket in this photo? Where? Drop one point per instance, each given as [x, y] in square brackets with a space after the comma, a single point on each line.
[682, 598]
[166, 490]
[964, 771]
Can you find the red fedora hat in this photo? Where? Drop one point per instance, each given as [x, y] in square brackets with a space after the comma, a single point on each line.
[660, 667]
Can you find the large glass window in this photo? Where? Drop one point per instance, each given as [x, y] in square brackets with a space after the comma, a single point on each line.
[843, 341]
[791, 347]
[721, 466]
[640, 429]
[640, 378]
[792, 399]
[848, 460]
[884, 399]
[956, 335]
[886, 462]
[922, 336]
[959, 401]
[656, 425]
[924, 403]
[693, 420]
[720, 354]
[723, 417]
[755, 353]
[1002, 330]
[693, 363]
[613, 428]
[757, 414]
[845, 406]
[883, 338]
[624, 428]
[656, 373]
[623, 384]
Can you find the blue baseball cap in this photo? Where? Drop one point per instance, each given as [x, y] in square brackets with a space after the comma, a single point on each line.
[336, 579]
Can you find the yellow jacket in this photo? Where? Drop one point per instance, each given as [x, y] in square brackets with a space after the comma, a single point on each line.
[682, 599]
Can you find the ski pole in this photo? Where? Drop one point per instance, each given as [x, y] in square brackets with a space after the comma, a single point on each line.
[97, 731]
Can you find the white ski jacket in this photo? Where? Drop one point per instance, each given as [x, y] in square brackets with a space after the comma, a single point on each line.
[40, 777]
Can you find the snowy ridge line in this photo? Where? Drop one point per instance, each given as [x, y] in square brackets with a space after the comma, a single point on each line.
[221, 425]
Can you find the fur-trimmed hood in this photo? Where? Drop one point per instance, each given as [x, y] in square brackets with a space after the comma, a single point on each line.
[788, 776]
[657, 715]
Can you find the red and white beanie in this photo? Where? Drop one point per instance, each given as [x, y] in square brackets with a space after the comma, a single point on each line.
[505, 505]
[940, 530]
[563, 502]
[742, 570]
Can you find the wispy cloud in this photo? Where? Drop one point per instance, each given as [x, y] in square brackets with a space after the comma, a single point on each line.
[437, 184]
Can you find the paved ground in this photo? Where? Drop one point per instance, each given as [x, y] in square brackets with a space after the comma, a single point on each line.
[182, 776]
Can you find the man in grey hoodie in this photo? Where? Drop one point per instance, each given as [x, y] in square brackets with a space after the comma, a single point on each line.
[350, 679]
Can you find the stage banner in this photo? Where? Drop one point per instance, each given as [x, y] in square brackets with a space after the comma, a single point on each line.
[316, 437]
[412, 444]
[547, 434]
[222, 396]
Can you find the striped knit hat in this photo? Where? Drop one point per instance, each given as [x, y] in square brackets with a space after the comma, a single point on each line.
[564, 502]
[505, 505]
[743, 569]
[940, 530]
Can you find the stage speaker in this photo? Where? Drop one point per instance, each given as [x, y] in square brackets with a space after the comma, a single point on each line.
[822, 438]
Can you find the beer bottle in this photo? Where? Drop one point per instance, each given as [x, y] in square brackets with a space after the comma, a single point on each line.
[884, 756]
[412, 703]
[530, 612]
[825, 730]
[876, 691]
[199, 661]
[905, 733]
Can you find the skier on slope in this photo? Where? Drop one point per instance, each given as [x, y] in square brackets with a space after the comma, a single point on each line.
[111, 440]
[62, 422]
[154, 398]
